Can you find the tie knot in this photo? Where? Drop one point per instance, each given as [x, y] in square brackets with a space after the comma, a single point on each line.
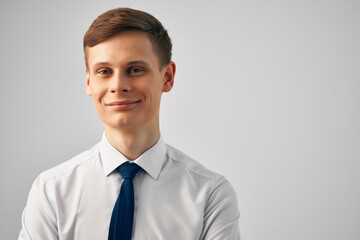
[128, 170]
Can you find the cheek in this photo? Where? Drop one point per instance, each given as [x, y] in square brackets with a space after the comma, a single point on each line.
[154, 100]
[98, 93]
[153, 88]
[152, 94]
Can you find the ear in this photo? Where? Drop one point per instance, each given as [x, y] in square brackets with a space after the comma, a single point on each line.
[169, 75]
[88, 89]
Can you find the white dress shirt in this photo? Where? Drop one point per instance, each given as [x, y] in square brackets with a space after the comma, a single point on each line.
[175, 198]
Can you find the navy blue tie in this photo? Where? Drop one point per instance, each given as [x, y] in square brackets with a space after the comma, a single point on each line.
[123, 213]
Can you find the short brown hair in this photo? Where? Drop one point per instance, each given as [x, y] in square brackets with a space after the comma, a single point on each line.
[120, 20]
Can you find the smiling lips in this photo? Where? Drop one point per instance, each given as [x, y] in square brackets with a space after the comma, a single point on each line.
[122, 105]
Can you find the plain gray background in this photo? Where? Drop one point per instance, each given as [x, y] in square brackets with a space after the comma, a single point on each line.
[266, 93]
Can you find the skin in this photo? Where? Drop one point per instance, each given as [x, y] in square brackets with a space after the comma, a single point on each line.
[126, 83]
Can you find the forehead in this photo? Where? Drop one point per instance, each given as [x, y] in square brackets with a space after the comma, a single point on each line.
[123, 48]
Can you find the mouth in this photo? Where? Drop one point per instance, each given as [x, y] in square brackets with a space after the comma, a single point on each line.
[120, 103]
[123, 105]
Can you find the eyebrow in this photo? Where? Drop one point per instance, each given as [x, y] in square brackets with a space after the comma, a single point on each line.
[100, 64]
[138, 63]
[106, 64]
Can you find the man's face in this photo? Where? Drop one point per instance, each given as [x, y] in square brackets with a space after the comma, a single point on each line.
[126, 82]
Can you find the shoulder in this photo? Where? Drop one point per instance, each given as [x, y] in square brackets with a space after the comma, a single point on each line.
[70, 165]
[217, 184]
[195, 167]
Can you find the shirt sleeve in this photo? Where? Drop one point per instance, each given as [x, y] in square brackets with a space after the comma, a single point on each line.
[38, 222]
[221, 215]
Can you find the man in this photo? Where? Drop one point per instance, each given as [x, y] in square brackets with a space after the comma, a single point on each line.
[131, 185]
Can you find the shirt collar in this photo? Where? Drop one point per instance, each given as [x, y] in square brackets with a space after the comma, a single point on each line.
[151, 160]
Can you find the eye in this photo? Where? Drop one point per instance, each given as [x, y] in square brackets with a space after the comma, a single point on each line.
[104, 71]
[135, 70]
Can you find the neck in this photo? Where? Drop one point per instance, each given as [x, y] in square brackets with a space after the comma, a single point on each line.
[132, 143]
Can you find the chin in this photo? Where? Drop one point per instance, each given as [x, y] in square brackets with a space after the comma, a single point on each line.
[122, 123]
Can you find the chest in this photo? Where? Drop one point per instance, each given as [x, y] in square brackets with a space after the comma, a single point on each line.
[163, 210]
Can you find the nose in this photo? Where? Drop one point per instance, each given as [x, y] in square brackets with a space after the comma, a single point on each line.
[120, 83]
